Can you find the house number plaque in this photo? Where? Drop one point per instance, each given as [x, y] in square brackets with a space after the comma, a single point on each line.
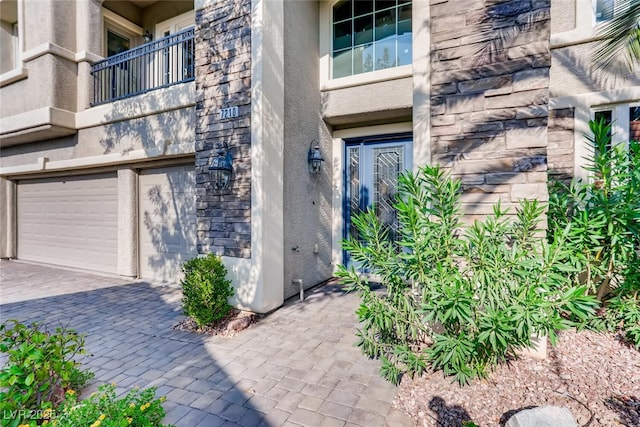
[227, 113]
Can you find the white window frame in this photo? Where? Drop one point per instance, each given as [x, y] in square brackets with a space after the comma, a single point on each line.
[19, 72]
[120, 26]
[620, 120]
[175, 24]
[327, 82]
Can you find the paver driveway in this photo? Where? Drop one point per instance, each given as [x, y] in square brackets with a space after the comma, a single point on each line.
[297, 366]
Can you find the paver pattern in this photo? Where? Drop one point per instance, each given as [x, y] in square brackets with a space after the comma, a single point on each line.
[296, 366]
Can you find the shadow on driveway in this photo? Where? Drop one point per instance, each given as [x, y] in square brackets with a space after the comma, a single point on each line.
[297, 365]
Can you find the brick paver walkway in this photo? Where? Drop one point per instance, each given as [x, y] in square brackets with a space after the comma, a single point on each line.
[297, 366]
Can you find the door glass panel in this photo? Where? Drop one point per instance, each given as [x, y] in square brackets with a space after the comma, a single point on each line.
[353, 171]
[388, 163]
[371, 181]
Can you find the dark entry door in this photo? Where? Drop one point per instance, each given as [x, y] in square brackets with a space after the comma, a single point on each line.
[372, 168]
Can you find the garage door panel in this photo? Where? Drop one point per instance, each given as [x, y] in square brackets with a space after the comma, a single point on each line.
[69, 221]
[167, 225]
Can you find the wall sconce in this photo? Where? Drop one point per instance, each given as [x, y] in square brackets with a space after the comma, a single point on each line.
[315, 158]
[221, 167]
[147, 36]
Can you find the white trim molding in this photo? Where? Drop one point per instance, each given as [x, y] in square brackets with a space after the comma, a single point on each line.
[13, 76]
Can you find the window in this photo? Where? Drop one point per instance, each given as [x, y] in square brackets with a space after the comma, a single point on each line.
[370, 35]
[9, 42]
[119, 34]
[604, 10]
[625, 120]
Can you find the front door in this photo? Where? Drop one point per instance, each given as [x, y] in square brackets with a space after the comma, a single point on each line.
[373, 166]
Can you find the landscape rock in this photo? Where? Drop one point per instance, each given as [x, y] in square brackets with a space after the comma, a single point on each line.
[544, 416]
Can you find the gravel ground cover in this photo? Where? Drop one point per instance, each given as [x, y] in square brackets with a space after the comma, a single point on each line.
[595, 375]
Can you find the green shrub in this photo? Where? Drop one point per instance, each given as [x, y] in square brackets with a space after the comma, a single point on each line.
[39, 368]
[602, 216]
[138, 408]
[205, 289]
[460, 298]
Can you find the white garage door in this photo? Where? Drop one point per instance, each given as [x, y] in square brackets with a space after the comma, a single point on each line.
[70, 221]
[167, 227]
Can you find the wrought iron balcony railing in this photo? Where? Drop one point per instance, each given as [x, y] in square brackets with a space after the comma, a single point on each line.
[157, 64]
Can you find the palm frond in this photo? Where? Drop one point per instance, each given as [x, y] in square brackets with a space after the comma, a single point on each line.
[619, 47]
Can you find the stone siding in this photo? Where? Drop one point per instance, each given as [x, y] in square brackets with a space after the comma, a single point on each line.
[489, 98]
[560, 150]
[223, 79]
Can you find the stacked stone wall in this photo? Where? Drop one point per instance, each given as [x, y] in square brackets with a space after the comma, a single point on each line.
[223, 80]
[560, 149]
[489, 97]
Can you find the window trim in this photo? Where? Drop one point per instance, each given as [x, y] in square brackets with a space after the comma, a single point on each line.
[18, 72]
[121, 26]
[619, 118]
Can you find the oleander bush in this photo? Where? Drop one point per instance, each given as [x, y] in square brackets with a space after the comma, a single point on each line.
[602, 216]
[205, 289]
[38, 370]
[459, 298]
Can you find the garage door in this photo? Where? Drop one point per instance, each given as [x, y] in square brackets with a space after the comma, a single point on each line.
[167, 227]
[69, 221]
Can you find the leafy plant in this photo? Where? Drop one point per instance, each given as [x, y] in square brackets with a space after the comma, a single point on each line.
[602, 216]
[138, 408]
[459, 298]
[205, 289]
[39, 368]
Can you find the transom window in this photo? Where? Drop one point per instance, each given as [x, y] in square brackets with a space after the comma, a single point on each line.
[370, 35]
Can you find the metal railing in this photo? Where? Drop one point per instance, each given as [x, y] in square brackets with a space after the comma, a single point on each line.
[157, 64]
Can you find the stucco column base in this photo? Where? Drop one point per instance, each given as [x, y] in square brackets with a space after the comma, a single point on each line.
[7, 218]
[127, 223]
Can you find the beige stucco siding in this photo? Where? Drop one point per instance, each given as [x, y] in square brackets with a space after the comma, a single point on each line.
[368, 103]
[307, 198]
[572, 73]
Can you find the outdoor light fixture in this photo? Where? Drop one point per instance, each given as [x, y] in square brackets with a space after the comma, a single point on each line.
[315, 158]
[147, 36]
[221, 167]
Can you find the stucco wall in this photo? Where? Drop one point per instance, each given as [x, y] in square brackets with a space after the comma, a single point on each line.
[145, 133]
[307, 198]
[573, 72]
[51, 82]
[368, 103]
[563, 15]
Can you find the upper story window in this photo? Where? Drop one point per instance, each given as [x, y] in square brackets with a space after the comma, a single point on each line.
[370, 35]
[9, 42]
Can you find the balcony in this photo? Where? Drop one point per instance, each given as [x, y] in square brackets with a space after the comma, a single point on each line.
[154, 65]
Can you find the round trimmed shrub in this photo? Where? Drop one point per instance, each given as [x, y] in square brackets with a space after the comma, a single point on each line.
[205, 289]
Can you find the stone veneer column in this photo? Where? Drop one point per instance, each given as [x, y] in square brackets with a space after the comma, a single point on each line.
[223, 79]
[489, 98]
[560, 149]
[240, 62]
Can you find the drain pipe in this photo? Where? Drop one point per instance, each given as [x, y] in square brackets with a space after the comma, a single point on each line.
[299, 283]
